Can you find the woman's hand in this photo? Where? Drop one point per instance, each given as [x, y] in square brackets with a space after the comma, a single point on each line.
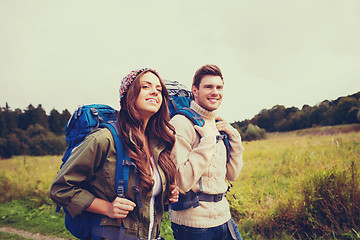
[120, 208]
[174, 190]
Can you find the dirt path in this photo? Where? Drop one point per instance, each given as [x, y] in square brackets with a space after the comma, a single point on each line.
[26, 234]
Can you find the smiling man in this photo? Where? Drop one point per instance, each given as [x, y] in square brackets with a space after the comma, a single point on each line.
[203, 166]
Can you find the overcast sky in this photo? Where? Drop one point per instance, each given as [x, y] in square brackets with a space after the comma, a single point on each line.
[63, 54]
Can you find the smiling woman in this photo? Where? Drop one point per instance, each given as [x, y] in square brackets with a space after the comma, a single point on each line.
[86, 182]
[150, 97]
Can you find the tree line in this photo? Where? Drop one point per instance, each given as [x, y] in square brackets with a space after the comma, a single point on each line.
[32, 131]
[344, 110]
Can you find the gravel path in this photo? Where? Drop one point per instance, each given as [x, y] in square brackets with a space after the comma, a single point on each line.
[26, 234]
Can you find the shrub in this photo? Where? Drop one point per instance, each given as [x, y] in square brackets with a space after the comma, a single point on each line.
[253, 132]
[35, 141]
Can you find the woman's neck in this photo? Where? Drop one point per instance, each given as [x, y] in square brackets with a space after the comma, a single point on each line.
[143, 128]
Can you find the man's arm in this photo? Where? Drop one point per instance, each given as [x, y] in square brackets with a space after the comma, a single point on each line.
[235, 163]
[191, 162]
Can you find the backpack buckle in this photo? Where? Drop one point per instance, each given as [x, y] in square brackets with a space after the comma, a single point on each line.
[219, 197]
[120, 189]
[196, 201]
[219, 137]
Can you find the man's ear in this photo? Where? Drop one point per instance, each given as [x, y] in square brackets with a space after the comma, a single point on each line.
[195, 91]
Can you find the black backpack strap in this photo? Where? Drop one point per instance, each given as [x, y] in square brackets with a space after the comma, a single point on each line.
[135, 187]
[210, 197]
[191, 199]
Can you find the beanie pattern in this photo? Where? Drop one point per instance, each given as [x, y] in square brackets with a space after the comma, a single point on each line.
[126, 82]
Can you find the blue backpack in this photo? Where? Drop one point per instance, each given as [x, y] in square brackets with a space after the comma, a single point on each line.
[83, 122]
[180, 98]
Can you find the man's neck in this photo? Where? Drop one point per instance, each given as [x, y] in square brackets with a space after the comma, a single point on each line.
[202, 111]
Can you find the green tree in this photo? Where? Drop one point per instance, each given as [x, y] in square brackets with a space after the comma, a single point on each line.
[11, 119]
[55, 122]
[42, 142]
[346, 110]
[13, 145]
[65, 116]
[2, 124]
[32, 116]
[263, 120]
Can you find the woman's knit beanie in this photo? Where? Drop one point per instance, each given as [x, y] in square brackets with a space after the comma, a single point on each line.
[126, 82]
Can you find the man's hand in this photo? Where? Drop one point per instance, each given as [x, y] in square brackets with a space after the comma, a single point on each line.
[206, 130]
[222, 125]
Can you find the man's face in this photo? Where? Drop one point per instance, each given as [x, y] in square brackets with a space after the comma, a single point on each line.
[210, 92]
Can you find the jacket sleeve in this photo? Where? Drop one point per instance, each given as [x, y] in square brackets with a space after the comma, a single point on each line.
[68, 188]
[190, 162]
[234, 166]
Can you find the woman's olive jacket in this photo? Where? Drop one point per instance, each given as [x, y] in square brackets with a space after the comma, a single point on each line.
[90, 173]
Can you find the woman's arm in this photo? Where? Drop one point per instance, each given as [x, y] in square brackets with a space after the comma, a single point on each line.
[119, 208]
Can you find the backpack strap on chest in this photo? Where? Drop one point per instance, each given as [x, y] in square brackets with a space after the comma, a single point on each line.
[123, 165]
[193, 116]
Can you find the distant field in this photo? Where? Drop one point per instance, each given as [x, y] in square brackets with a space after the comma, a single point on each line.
[277, 170]
[24, 176]
[279, 175]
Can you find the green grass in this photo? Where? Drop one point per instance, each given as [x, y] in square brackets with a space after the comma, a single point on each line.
[10, 236]
[27, 177]
[277, 169]
[24, 198]
[279, 187]
[27, 215]
[166, 231]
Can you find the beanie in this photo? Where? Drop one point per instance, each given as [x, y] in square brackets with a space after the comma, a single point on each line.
[126, 82]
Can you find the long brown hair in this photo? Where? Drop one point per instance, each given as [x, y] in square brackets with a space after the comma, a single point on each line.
[158, 127]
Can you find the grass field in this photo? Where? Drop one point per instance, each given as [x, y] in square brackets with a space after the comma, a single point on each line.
[278, 171]
[298, 185]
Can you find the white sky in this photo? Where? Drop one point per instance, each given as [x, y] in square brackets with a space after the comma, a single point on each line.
[63, 54]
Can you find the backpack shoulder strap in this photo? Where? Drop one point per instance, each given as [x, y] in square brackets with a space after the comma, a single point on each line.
[191, 199]
[228, 147]
[193, 116]
[122, 170]
[196, 119]
[225, 137]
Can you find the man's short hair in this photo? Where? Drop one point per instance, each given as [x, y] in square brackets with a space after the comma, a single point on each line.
[208, 69]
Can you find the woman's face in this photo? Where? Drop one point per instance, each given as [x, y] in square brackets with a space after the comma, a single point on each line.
[150, 97]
